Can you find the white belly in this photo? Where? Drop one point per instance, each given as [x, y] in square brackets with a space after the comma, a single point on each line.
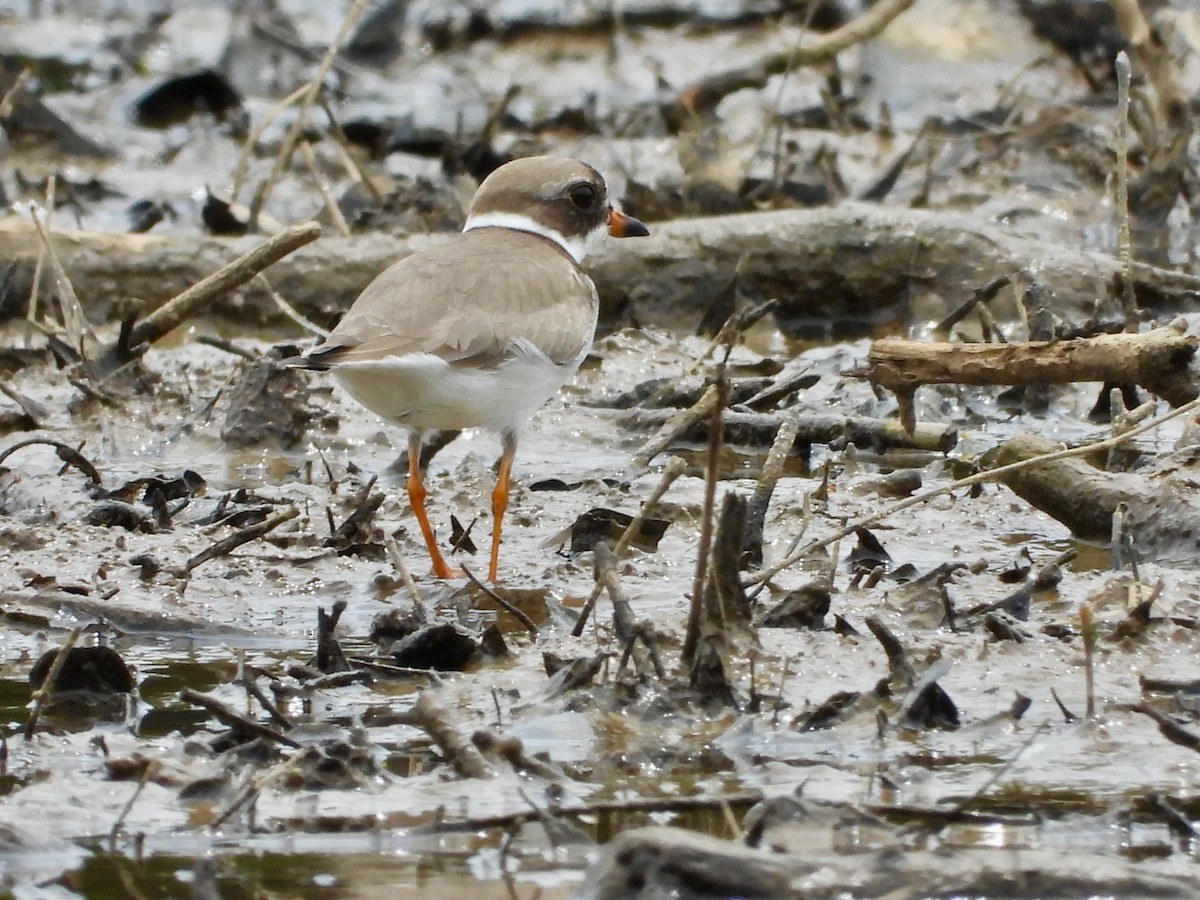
[424, 391]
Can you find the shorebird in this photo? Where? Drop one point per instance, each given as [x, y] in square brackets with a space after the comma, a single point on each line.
[483, 329]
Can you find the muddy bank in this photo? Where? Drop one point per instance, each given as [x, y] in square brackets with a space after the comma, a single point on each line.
[894, 670]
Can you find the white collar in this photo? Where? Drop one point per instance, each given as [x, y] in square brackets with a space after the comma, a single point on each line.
[577, 247]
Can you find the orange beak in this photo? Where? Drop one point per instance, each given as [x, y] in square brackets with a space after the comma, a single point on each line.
[621, 225]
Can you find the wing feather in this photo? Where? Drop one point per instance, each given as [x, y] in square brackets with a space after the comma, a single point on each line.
[478, 313]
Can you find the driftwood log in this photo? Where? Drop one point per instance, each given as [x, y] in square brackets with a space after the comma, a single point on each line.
[1162, 516]
[1158, 360]
[833, 271]
[1072, 491]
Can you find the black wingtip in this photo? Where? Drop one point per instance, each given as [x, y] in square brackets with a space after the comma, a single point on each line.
[318, 359]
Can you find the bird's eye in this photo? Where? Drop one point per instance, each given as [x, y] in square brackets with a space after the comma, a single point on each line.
[583, 196]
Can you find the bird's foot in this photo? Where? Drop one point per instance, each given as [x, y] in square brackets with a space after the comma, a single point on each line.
[447, 573]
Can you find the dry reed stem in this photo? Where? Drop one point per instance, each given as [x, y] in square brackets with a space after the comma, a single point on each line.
[290, 139]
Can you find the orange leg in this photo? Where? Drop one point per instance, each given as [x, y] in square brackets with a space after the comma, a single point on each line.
[500, 499]
[416, 497]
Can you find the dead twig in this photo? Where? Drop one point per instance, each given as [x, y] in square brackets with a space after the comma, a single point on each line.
[175, 312]
[227, 545]
[625, 627]
[1124, 240]
[760, 500]
[504, 604]
[707, 93]
[353, 168]
[79, 330]
[461, 754]
[756, 429]
[704, 545]
[330, 658]
[68, 454]
[414, 593]
[35, 288]
[148, 775]
[1158, 360]
[1170, 729]
[235, 720]
[331, 204]
[672, 428]
[9, 99]
[251, 687]
[239, 171]
[290, 311]
[291, 138]
[674, 468]
[46, 690]
[30, 407]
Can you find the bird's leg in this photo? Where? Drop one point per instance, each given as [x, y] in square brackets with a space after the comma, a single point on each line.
[500, 498]
[416, 498]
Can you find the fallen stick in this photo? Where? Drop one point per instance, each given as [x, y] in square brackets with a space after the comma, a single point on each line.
[1072, 491]
[674, 423]
[1158, 360]
[134, 341]
[760, 500]
[235, 720]
[227, 545]
[673, 469]
[707, 93]
[759, 430]
[857, 260]
[430, 717]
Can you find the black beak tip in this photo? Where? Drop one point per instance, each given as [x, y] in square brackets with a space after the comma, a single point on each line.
[622, 225]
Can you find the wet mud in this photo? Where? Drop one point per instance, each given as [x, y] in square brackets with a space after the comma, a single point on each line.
[224, 667]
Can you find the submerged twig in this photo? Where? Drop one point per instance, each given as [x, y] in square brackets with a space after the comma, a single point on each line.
[234, 720]
[1168, 727]
[504, 604]
[67, 453]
